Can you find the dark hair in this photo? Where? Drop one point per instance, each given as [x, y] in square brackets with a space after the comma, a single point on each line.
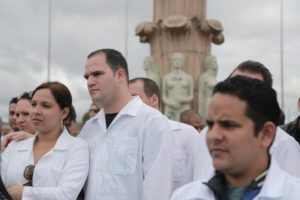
[13, 100]
[186, 115]
[26, 95]
[149, 86]
[114, 59]
[261, 100]
[62, 96]
[257, 68]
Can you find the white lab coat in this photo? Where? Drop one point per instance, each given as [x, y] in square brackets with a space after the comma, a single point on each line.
[278, 185]
[59, 174]
[132, 159]
[186, 141]
[284, 149]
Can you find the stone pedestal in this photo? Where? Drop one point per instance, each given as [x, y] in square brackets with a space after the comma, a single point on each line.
[180, 26]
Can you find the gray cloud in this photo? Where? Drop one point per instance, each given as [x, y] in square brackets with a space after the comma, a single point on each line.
[79, 27]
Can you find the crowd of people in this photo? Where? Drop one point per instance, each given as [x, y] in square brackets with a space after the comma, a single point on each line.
[128, 149]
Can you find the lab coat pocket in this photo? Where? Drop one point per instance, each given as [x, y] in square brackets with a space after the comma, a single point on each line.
[179, 165]
[123, 156]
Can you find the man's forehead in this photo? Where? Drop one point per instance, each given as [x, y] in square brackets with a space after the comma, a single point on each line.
[12, 105]
[95, 60]
[226, 105]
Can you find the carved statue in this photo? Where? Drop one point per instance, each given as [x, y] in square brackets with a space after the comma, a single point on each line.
[152, 69]
[181, 26]
[206, 83]
[177, 88]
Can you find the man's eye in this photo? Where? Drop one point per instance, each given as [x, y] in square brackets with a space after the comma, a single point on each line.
[229, 124]
[26, 113]
[209, 123]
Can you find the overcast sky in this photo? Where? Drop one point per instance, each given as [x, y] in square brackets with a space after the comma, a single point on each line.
[251, 30]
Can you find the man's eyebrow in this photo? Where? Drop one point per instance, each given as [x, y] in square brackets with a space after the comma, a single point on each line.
[86, 76]
[228, 122]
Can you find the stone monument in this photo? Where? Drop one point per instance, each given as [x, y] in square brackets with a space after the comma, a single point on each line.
[151, 69]
[206, 83]
[181, 26]
[177, 88]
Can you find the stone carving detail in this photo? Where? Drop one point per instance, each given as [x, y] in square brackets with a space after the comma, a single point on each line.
[177, 88]
[206, 83]
[181, 26]
[151, 69]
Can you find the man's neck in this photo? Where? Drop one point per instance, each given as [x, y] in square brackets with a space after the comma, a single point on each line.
[246, 178]
[118, 104]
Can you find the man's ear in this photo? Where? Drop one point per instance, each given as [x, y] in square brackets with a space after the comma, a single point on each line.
[268, 134]
[155, 101]
[120, 74]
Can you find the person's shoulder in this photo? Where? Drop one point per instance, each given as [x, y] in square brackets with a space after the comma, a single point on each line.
[77, 141]
[193, 190]
[287, 188]
[187, 129]
[282, 136]
[148, 110]
[26, 143]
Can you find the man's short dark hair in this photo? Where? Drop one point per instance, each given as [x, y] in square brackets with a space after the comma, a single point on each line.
[114, 59]
[257, 68]
[186, 115]
[261, 99]
[13, 100]
[150, 87]
[26, 95]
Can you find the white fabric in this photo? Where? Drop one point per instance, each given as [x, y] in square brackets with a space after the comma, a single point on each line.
[186, 141]
[284, 149]
[132, 159]
[59, 174]
[278, 185]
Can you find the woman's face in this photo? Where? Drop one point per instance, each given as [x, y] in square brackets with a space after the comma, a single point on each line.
[46, 113]
[23, 112]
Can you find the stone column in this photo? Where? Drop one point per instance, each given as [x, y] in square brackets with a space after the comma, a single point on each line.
[181, 26]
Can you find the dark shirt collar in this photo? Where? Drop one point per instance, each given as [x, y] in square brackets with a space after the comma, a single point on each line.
[218, 184]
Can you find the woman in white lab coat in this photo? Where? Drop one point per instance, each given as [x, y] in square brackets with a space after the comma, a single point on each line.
[52, 164]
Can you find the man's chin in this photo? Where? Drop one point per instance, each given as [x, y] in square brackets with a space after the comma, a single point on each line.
[97, 101]
[220, 166]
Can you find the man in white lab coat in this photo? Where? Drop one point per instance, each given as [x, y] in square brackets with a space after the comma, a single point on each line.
[242, 118]
[129, 157]
[186, 137]
[284, 149]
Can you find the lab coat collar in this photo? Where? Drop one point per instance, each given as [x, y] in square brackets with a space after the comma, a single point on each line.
[174, 125]
[61, 143]
[132, 108]
[63, 140]
[200, 191]
[274, 182]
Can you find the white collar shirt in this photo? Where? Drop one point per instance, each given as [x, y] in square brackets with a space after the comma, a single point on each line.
[59, 174]
[132, 158]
